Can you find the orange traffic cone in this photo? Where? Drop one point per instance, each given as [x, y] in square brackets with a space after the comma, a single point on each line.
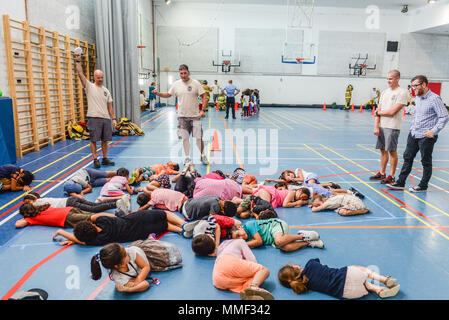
[215, 145]
[324, 107]
[361, 109]
[352, 108]
[236, 107]
[404, 112]
[176, 106]
[217, 107]
[374, 110]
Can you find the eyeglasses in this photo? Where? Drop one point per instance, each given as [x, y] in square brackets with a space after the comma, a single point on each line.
[414, 86]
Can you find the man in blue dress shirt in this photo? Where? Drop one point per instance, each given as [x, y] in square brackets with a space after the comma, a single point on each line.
[430, 118]
[231, 91]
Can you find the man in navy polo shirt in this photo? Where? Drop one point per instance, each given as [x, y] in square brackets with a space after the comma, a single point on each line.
[231, 91]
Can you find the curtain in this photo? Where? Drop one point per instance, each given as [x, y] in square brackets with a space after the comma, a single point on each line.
[116, 26]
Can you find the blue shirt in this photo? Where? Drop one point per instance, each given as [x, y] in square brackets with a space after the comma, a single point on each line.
[430, 114]
[323, 279]
[230, 90]
[8, 171]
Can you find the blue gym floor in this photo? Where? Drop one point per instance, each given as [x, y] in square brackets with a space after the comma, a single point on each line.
[405, 235]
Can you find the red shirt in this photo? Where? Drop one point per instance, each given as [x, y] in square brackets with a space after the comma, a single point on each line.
[52, 217]
[224, 222]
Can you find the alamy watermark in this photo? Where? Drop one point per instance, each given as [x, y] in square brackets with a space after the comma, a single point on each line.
[256, 148]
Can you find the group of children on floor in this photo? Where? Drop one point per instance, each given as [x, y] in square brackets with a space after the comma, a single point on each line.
[209, 206]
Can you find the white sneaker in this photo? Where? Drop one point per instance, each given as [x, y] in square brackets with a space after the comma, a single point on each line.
[309, 235]
[187, 164]
[124, 204]
[316, 244]
[204, 160]
[191, 167]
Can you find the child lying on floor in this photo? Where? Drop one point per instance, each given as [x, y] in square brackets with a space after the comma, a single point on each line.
[274, 232]
[350, 282]
[144, 173]
[343, 204]
[14, 178]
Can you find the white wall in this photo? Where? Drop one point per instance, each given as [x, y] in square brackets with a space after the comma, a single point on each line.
[309, 87]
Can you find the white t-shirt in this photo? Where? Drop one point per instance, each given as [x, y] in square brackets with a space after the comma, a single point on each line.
[81, 177]
[133, 268]
[187, 94]
[142, 99]
[246, 101]
[54, 202]
[216, 89]
[97, 100]
[388, 100]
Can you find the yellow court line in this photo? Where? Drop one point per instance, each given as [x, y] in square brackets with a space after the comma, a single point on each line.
[314, 122]
[266, 119]
[310, 122]
[60, 158]
[271, 116]
[375, 190]
[47, 180]
[305, 122]
[429, 204]
[399, 161]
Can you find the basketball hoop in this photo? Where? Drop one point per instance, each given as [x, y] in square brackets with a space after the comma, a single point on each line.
[226, 62]
[299, 60]
[141, 47]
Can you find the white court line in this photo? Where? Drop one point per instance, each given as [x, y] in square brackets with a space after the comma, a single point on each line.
[56, 151]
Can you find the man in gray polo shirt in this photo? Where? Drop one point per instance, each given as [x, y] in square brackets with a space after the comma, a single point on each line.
[99, 113]
[187, 91]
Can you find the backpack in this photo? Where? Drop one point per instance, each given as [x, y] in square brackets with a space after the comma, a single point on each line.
[162, 256]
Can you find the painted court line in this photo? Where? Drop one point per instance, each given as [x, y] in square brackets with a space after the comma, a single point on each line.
[384, 195]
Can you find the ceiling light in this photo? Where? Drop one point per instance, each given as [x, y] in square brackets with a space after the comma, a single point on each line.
[404, 9]
[167, 2]
[431, 1]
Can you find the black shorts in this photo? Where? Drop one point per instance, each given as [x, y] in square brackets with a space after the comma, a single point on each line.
[100, 129]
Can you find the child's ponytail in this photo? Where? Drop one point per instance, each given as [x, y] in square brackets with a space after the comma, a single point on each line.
[95, 267]
[291, 278]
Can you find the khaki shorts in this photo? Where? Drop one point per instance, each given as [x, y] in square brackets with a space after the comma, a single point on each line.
[388, 139]
[189, 126]
[76, 216]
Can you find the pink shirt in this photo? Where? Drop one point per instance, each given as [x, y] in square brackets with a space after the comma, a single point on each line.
[277, 196]
[211, 175]
[115, 187]
[236, 247]
[225, 189]
[166, 199]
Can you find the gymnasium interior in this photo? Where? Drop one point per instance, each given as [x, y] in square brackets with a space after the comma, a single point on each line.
[300, 55]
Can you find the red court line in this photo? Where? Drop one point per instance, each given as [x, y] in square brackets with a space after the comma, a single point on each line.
[30, 272]
[97, 291]
[326, 166]
[58, 179]
[416, 211]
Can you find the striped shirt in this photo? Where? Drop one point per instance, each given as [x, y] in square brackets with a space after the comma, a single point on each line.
[430, 114]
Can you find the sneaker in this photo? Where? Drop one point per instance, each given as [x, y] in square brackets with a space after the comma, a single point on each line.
[391, 282]
[356, 193]
[389, 292]
[334, 185]
[309, 235]
[250, 292]
[204, 160]
[97, 163]
[417, 189]
[378, 176]
[187, 160]
[316, 244]
[191, 168]
[107, 162]
[187, 228]
[187, 164]
[388, 179]
[395, 186]
[124, 204]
